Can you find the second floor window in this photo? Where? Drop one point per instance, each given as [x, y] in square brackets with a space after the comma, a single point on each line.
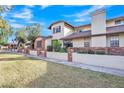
[57, 29]
[80, 31]
[119, 22]
[114, 42]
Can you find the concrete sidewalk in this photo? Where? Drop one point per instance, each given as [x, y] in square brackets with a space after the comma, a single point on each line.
[112, 71]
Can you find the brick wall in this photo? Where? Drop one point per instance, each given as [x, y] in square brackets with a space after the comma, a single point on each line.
[116, 51]
[42, 43]
[40, 51]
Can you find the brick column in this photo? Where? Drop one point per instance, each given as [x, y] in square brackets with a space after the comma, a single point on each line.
[70, 51]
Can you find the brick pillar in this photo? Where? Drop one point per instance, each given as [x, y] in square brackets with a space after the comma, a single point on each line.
[45, 53]
[70, 51]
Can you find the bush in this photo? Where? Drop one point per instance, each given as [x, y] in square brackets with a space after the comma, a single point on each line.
[49, 48]
[83, 52]
[100, 52]
[63, 50]
[90, 52]
[56, 45]
[57, 48]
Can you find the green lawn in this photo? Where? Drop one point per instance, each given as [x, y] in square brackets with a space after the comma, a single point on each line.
[19, 71]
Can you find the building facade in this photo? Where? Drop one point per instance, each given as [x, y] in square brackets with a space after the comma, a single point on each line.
[100, 33]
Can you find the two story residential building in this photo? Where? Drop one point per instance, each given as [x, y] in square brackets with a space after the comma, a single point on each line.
[100, 33]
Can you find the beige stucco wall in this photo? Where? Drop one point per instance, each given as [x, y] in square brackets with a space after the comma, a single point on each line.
[108, 41]
[98, 23]
[121, 39]
[98, 41]
[100, 60]
[67, 31]
[33, 52]
[58, 35]
[57, 55]
[84, 28]
[78, 42]
[64, 31]
[48, 42]
[110, 23]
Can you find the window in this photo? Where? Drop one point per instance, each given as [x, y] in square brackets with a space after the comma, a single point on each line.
[68, 43]
[86, 42]
[80, 31]
[119, 22]
[114, 42]
[57, 29]
[39, 44]
[54, 30]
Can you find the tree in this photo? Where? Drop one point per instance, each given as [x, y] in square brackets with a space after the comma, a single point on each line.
[5, 28]
[32, 32]
[5, 31]
[28, 33]
[21, 37]
[56, 45]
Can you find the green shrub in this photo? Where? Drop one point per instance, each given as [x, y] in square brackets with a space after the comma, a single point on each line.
[56, 45]
[49, 48]
[100, 52]
[63, 50]
[83, 52]
[57, 48]
[90, 52]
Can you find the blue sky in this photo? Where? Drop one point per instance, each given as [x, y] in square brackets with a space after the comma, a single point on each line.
[21, 15]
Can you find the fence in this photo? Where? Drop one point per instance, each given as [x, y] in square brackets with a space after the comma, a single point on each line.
[99, 60]
[33, 52]
[57, 55]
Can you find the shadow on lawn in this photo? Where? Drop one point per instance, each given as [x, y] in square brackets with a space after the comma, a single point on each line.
[52, 78]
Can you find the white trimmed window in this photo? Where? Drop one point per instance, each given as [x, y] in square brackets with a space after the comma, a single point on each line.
[86, 42]
[119, 22]
[114, 41]
[79, 31]
[57, 29]
[39, 44]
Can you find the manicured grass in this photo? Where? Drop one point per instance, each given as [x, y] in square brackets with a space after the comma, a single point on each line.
[19, 71]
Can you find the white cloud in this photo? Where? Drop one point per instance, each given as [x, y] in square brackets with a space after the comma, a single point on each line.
[84, 15]
[44, 6]
[81, 19]
[31, 6]
[15, 25]
[90, 10]
[24, 14]
[11, 20]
